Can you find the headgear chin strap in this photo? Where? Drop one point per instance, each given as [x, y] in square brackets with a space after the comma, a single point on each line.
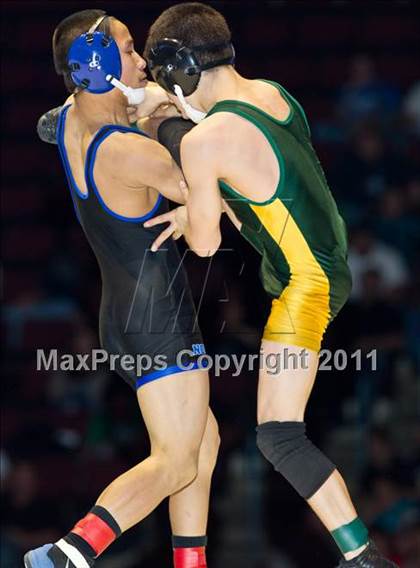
[95, 63]
[193, 114]
[172, 63]
[134, 96]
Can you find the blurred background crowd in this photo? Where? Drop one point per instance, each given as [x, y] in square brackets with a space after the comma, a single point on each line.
[354, 67]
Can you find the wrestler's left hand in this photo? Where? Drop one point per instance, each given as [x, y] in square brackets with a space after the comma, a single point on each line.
[177, 219]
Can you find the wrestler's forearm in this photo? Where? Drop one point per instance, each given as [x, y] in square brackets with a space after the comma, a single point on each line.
[170, 133]
[202, 236]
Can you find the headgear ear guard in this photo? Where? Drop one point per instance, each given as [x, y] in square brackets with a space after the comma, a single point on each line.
[172, 63]
[92, 57]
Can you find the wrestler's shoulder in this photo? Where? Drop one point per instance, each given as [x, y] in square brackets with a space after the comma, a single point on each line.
[120, 144]
[118, 141]
[212, 132]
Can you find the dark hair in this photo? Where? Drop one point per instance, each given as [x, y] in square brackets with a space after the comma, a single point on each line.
[64, 35]
[195, 25]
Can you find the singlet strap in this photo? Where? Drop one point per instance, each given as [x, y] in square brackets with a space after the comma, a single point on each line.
[253, 115]
[291, 101]
[99, 137]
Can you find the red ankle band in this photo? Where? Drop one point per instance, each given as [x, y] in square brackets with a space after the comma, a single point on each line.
[95, 532]
[190, 557]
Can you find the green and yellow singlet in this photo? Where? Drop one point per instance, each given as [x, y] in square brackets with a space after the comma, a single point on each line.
[299, 231]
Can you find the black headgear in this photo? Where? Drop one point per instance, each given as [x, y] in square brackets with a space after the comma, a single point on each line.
[172, 63]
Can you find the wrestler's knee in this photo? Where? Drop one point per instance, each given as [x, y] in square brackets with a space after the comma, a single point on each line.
[179, 466]
[210, 445]
[286, 447]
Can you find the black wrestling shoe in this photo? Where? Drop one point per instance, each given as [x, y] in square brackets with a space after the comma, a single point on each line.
[369, 558]
[51, 556]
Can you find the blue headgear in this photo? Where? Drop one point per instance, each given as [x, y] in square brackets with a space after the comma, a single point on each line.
[94, 56]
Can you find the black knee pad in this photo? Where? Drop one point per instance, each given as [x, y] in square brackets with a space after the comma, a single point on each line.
[286, 447]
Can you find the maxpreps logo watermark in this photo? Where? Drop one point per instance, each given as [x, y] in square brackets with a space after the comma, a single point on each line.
[186, 360]
[196, 357]
[52, 360]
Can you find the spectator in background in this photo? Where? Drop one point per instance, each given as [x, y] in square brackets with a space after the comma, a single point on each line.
[395, 224]
[407, 538]
[411, 109]
[364, 171]
[63, 277]
[413, 195]
[412, 319]
[395, 514]
[384, 460]
[365, 95]
[28, 518]
[367, 254]
[71, 391]
[377, 326]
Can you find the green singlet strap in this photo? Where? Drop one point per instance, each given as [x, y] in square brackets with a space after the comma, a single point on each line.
[351, 536]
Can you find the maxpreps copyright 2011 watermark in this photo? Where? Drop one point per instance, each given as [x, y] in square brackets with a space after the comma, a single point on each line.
[273, 363]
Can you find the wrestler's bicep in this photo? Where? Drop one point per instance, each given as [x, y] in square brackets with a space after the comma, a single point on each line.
[144, 162]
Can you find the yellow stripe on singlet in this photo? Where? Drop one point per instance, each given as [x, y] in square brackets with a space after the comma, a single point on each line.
[304, 302]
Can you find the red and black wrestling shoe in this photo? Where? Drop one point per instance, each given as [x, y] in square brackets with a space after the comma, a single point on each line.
[57, 555]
